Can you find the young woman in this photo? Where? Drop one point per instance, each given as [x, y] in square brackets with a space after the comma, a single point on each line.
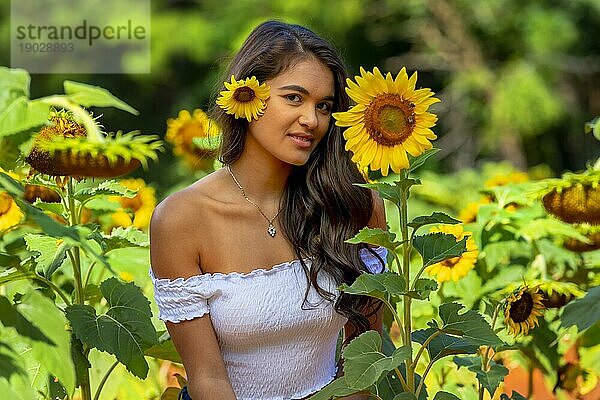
[246, 262]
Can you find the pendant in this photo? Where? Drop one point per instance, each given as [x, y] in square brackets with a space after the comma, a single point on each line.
[271, 230]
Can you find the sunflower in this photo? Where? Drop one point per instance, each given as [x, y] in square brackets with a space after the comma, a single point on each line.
[10, 213]
[389, 119]
[469, 213]
[64, 149]
[523, 307]
[142, 205]
[245, 98]
[505, 179]
[456, 267]
[181, 132]
[575, 198]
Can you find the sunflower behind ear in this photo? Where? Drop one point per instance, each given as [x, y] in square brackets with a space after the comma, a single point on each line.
[245, 98]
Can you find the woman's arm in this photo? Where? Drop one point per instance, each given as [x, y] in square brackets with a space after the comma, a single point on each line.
[173, 254]
[376, 320]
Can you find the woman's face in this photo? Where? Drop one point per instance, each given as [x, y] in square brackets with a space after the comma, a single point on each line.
[297, 114]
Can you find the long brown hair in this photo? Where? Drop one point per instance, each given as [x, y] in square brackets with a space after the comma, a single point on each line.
[321, 207]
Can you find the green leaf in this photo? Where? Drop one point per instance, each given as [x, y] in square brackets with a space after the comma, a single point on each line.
[546, 343]
[50, 252]
[55, 388]
[165, 350]
[14, 83]
[389, 191]
[9, 366]
[382, 286]
[56, 359]
[405, 396]
[435, 218]
[336, 388]
[207, 142]
[22, 114]
[377, 237]
[491, 379]
[9, 260]
[420, 160]
[124, 331]
[55, 208]
[583, 312]
[110, 188]
[436, 247]
[594, 127]
[443, 345]
[89, 95]
[10, 316]
[445, 396]
[365, 363]
[470, 325]
[423, 287]
[9, 184]
[542, 227]
[121, 238]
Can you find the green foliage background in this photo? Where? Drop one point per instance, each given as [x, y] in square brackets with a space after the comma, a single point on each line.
[517, 78]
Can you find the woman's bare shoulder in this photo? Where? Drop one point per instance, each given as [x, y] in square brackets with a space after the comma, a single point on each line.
[190, 204]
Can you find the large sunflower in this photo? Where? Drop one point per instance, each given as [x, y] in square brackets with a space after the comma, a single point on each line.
[389, 119]
[181, 132]
[245, 98]
[523, 307]
[141, 205]
[456, 267]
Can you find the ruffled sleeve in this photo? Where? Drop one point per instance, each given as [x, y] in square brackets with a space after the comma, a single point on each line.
[372, 262]
[183, 299]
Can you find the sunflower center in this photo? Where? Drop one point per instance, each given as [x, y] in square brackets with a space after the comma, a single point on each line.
[390, 119]
[521, 309]
[451, 262]
[244, 94]
[5, 203]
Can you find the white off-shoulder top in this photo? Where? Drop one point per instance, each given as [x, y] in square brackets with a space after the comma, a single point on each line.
[272, 348]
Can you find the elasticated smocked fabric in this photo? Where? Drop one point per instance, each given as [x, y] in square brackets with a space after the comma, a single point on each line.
[274, 348]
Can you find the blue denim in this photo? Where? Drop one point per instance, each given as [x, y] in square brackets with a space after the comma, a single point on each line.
[183, 395]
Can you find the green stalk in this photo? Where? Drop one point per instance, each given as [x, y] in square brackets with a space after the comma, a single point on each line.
[104, 379]
[86, 390]
[403, 209]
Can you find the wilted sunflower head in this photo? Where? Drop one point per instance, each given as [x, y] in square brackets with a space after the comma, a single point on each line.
[182, 131]
[456, 267]
[523, 307]
[62, 125]
[592, 232]
[389, 120]
[63, 149]
[575, 198]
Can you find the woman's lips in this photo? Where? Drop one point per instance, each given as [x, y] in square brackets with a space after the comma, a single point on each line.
[300, 141]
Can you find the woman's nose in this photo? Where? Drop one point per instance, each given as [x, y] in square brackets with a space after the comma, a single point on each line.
[309, 119]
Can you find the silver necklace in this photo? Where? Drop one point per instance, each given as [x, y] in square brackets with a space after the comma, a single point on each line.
[271, 228]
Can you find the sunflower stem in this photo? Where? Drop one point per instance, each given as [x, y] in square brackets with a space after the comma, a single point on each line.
[86, 390]
[406, 247]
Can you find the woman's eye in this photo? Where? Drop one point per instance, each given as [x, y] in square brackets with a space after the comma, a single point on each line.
[325, 107]
[294, 97]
